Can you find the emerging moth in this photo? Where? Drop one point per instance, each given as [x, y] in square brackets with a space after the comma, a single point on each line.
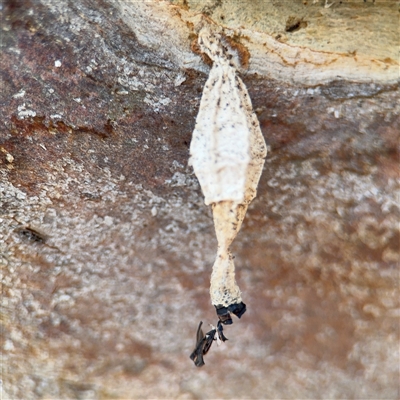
[204, 342]
[227, 153]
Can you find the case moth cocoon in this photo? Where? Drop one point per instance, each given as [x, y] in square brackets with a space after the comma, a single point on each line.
[227, 154]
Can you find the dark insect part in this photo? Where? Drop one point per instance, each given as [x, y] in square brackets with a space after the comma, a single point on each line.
[223, 315]
[220, 333]
[31, 234]
[237, 309]
[224, 312]
[204, 342]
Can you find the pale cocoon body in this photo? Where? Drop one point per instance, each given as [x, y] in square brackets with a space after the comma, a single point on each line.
[227, 154]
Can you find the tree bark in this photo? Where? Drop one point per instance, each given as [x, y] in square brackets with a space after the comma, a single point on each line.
[106, 245]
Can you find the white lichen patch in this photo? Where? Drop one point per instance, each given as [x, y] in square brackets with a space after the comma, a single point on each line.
[20, 94]
[24, 112]
[227, 154]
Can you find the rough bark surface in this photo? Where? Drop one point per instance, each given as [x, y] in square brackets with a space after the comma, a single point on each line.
[106, 245]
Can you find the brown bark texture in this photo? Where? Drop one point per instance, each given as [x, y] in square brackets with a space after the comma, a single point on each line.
[106, 246]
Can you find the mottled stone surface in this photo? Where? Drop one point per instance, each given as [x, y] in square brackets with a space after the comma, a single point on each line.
[106, 246]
